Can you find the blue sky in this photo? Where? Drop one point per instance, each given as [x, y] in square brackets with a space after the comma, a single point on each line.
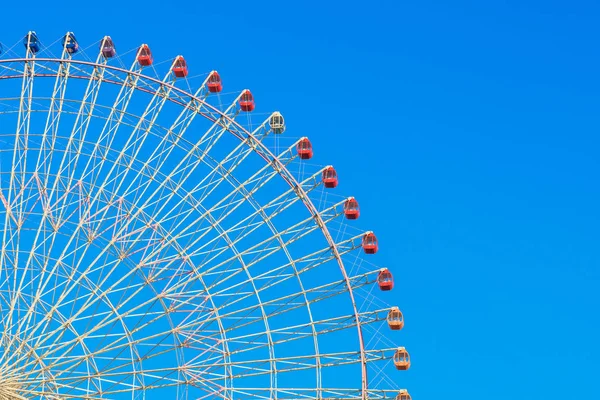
[468, 132]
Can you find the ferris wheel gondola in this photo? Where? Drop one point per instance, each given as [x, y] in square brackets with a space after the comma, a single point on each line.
[144, 56]
[70, 43]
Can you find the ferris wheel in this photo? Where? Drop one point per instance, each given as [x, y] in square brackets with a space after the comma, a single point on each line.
[160, 242]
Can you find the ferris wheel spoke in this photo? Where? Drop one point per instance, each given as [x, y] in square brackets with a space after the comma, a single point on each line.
[69, 369]
[249, 369]
[10, 70]
[78, 132]
[36, 376]
[152, 110]
[221, 170]
[114, 358]
[284, 304]
[123, 101]
[49, 134]
[303, 265]
[252, 250]
[43, 284]
[188, 163]
[322, 327]
[134, 141]
[157, 201]
[115, 365]
[286, 237]
[44, 160]
[274, 207]
[116, 379]
[241, 316]
[118, 172]
[266, 220]
[51, 314]
[83, 276]
[111, 318]
[229, 203]
[274, 244]
[161, 152]
[249, 342]
[81, 125]
[14, 210]
[93, 166]
[109, 354]
[263, 177]
[122, 303]
[294, 393]
[116, 126]
[207, 140]
[177, 130]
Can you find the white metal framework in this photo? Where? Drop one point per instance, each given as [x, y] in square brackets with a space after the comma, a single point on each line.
[148, 253]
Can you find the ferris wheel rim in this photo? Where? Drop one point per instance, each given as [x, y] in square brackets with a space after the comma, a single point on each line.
[258, 147]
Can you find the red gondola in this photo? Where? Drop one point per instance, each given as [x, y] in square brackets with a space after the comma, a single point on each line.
[107, 46]
[351, 210]
[304, 148]
[395, 319]
[369, 243]
[247, 101]
[144, 56]
[385, 280]
[214, 82]
[330, 178]
[402, 359]
[180, 68]
[403, 395]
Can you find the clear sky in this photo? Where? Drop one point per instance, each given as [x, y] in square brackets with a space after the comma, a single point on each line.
[468, 130]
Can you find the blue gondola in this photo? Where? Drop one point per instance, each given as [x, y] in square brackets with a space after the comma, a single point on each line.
[70, 43]
[1, 49]
[31, 42]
